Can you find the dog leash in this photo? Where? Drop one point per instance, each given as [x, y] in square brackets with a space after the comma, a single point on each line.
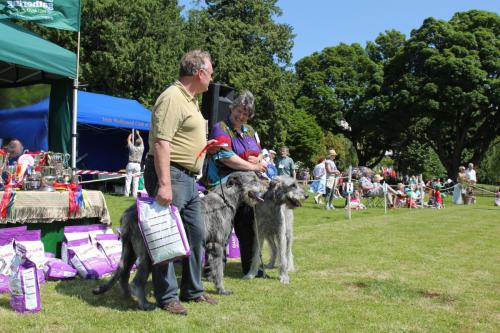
[223, 196]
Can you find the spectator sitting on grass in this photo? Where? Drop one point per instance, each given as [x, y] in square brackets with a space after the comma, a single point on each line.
[356, 201]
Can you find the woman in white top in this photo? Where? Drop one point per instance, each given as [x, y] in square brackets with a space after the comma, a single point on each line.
[318, 185]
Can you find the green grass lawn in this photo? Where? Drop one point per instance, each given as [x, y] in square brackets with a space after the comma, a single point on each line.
[419, 270]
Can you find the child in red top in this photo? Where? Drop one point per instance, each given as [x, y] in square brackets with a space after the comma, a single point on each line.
[438, 199]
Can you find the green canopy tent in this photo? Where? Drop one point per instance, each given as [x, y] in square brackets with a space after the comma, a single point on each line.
[26, 59]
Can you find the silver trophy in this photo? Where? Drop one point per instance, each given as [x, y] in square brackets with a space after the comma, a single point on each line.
[48, 175]
[60, 162]
[33, 181]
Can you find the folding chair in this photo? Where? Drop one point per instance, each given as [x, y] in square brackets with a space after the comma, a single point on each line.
[373, 201]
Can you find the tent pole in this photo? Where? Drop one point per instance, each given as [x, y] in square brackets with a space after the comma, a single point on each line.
[349, 193]
[74, 116]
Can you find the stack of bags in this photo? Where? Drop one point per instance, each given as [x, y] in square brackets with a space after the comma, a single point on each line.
[91, 251]
[24, 266]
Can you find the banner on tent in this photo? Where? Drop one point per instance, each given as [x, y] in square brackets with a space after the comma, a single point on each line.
[58, 14]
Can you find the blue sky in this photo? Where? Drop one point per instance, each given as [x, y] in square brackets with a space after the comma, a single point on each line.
[322, 23]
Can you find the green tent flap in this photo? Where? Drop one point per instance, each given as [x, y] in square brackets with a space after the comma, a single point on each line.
[26, 58]
[61, 100]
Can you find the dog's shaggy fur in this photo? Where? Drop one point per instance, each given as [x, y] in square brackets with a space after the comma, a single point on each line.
[274, 223]
[218, 210]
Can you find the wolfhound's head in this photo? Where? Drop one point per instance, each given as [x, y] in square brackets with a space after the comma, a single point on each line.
[250, 184]
[286, 190]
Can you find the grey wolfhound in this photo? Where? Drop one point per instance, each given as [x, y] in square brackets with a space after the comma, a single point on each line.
[218, 210]
[274, 223]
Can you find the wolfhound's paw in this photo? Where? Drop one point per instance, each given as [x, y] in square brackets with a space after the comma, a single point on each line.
[224, 292]
[270, 265]
[147, 306]
[285, 279]
[249, 276]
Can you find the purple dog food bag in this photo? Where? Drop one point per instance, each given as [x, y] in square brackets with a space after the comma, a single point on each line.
[162, 231]
[76, 232]
[6, 255]
[50, 255]
[88, 260]
[99, 229]
[72, 232]
[111, 247]
[31, 241]
[23, 283]
[233, 246]
[56, 269]
[13, 230]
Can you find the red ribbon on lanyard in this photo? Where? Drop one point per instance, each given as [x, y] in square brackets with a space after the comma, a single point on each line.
[4, 204]
[221, 141]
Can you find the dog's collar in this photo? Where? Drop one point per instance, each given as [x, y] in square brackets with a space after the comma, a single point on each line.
[226, 202]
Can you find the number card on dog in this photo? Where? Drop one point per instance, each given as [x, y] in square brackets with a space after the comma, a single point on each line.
[162, 230]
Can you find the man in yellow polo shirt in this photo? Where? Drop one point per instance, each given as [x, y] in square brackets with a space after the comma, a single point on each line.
[177, 135]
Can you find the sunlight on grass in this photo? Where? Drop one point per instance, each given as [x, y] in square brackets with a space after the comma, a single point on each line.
[419, 270]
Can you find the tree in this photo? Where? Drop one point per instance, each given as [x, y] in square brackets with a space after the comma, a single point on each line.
[416, 158]
[346, 154]
[304, 137]
[251, 51]
[130, 50]
[19, 96]
[488, 171]
[340, 84]
[386, 46]
[446, 80]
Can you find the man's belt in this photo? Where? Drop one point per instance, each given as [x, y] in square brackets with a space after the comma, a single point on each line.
[177, 166]
[135, 162]
[183, 169]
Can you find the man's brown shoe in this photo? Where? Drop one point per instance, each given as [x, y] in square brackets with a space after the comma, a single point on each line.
[203, 298]
[175, 307]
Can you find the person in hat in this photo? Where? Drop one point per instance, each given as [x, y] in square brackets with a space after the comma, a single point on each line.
[265, 154]
[272, 157]
[332, 173]
[375, 189]
[271, 171]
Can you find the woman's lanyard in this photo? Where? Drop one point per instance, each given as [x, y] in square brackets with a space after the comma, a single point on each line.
[240, 136]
